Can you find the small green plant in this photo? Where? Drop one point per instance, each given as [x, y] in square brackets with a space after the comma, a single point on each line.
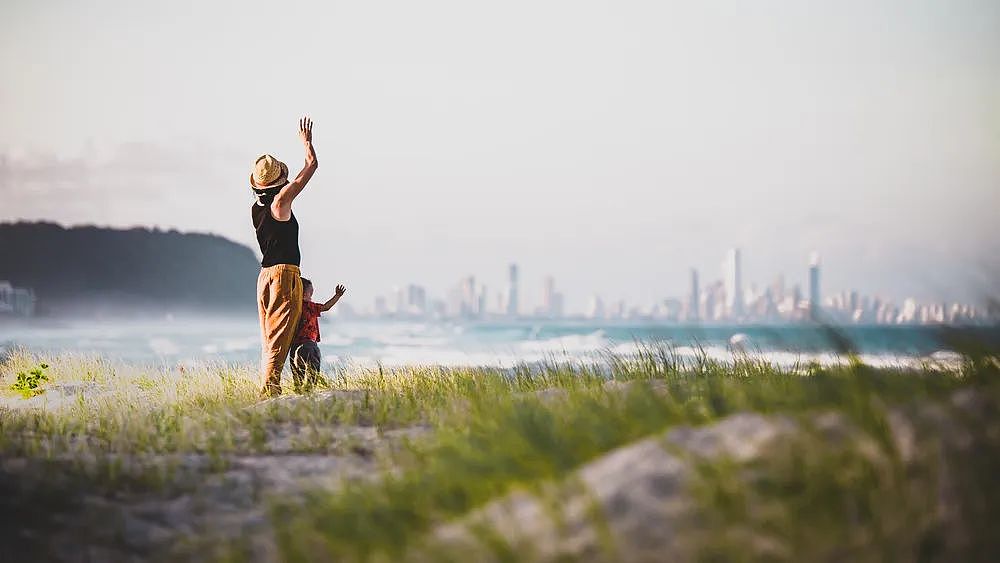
[29, 384]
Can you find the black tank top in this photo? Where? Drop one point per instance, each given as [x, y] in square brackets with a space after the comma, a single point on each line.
[278, 240]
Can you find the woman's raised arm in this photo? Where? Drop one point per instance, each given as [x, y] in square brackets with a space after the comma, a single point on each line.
[281, 207]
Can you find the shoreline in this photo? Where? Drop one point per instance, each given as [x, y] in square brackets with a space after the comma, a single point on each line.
[347, 343]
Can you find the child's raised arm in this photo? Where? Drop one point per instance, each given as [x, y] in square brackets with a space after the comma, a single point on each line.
[341, 290]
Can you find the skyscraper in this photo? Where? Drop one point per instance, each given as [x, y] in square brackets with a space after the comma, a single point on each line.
[734, 283]
[416, 299]
[482, 293]
[552, 300]
[778, 287]
[512, 304]
[814, 303]
[595, 309]
[470, 299]
[694, 299]
[399, 300]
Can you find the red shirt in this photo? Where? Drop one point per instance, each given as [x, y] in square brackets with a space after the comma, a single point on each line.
[308, 323]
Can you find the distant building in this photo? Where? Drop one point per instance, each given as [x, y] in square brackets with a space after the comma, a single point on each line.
[814, 299]
[548, 294]
[482, 297]
[439, 308]
[416, 300]
[381, 309]
[769, 305]
[399, 301]
[853, 301]
[618, 310]
[778, 288]
[454, 305]
[909, 313]
[595, 309]
[694, 299]
[512, 298]
[671, 310]
[734, 283]
[714, 302]
[466, 300]
[552, 300]
[470, 299]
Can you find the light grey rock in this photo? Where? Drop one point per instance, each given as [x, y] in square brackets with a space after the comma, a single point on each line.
[291, 401]
[634, 505]
[741, 437]
[139, 532]
[204, 507]
[629, 505]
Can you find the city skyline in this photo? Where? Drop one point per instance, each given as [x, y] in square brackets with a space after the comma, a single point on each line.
[723, 300]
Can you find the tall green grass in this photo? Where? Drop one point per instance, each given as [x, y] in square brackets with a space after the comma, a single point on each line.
[504, 438]
[486, 432]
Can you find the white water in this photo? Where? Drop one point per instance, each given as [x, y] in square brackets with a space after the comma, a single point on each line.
[188, 341]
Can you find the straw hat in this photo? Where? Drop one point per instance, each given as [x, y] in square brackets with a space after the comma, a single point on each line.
[268, 172]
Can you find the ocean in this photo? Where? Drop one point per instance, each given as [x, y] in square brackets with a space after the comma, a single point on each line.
[187, 341]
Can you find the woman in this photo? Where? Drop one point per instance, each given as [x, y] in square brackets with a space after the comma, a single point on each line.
[279, 286]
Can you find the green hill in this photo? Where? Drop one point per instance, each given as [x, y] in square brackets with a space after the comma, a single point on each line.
[80, 268]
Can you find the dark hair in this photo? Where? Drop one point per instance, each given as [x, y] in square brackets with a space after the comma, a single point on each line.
[306, 284]
[265, 197]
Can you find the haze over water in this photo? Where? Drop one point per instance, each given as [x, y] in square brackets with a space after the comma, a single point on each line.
[395, 343]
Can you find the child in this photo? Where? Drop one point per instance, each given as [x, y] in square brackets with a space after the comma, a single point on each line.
[304, 355]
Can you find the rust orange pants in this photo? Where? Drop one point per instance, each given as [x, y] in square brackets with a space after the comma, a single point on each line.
[279, 304]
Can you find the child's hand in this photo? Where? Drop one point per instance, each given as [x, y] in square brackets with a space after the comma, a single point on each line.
[341, 290]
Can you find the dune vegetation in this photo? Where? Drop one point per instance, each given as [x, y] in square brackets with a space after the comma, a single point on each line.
[643, 458]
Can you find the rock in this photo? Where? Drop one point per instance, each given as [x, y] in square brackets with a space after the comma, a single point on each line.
[139, 532]
[629, 505]
[203, 509]
[740, 437]
[290, 401]
[634, 504]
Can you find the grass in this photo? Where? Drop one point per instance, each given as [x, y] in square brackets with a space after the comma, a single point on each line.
[484, 433]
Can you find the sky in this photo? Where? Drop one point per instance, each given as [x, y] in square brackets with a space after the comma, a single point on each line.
[612, 145]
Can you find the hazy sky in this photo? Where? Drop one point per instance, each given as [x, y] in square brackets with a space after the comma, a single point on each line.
[612, 144]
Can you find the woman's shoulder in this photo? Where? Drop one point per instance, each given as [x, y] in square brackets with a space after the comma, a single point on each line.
[261, 213]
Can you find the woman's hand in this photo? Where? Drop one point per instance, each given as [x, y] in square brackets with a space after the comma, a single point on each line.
[340, 290]
[306, 131]
[281, 207]
[306, 135]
